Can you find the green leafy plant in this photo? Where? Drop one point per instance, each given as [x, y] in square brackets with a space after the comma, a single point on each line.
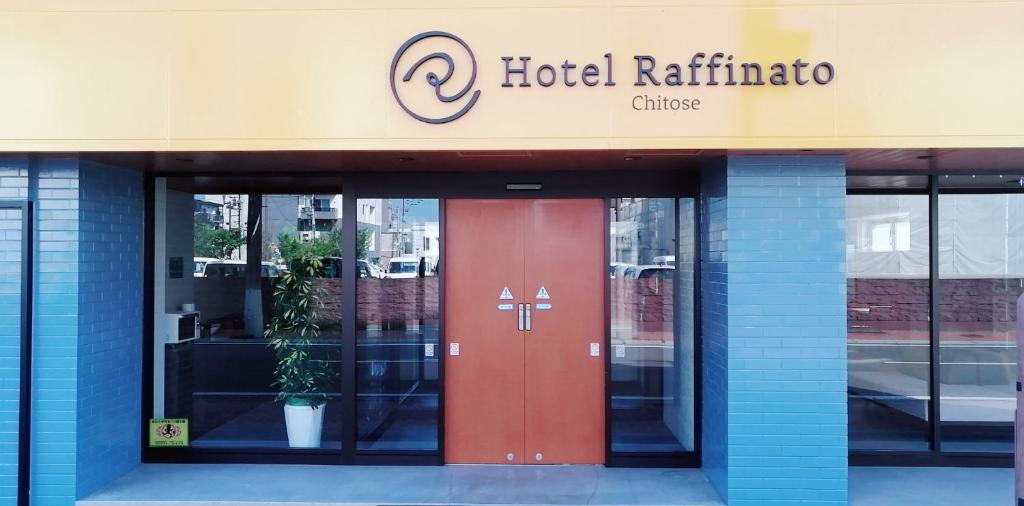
[302, 376]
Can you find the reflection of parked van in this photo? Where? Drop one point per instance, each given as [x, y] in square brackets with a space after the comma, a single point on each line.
[665, 260]
[236, 269]
[403, 267]
[199, 265]
[649, 271]
[618, 269]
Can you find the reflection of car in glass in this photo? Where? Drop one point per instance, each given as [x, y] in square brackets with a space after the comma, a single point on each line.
[200, 265]
[369, 269]
[403, 268]
[649, 271]
[618, 269]
[332, 268]
[665, 260]
[236, 269]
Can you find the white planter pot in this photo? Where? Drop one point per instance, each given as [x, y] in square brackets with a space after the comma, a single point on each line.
[304, 424]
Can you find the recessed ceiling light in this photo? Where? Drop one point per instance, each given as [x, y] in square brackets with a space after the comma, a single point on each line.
[632, 158]
[404, 159]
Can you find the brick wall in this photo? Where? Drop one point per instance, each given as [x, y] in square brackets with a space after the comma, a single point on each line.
[714, 332]
[55, 342]
[775, 321]
[110, 324]
[988, 302]
[87, 360]
[13, 186]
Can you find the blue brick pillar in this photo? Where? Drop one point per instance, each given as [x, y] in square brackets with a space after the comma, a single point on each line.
[109, 325]
[87, 333]
[53, 184]
[774, 330]
[13, 187]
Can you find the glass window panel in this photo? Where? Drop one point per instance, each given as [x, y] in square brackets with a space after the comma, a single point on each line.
[888, 321]
[397, 324]
[651, 325]
[229, 268]
[981, 239]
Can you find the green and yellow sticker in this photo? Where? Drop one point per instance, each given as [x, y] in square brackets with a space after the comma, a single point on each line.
[168, 432]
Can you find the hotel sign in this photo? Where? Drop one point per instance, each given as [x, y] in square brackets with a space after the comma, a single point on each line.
[416, 62]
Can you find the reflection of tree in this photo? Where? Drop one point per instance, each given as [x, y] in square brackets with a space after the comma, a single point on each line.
[215, 242]
[327, 244]
[362, 243]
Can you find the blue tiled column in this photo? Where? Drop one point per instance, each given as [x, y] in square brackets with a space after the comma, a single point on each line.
[87, 332]
[774, 330]
[54, 183]
[13, 187]
[109, 324]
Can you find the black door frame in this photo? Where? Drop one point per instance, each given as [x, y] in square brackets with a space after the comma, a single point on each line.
[426, 185]
[25, 348]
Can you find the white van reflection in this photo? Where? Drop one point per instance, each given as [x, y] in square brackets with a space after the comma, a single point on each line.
[649, 271]
[669, 260]
[199, 265]
[404, 268]
[236, 269]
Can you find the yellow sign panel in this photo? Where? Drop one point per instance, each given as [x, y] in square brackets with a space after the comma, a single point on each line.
[319, 74]
[168, 432]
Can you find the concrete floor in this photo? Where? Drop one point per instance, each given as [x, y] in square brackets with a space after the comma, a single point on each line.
[283, 485]
[244, 484]
[931, 486]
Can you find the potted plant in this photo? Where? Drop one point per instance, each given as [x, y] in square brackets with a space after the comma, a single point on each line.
[302, 376]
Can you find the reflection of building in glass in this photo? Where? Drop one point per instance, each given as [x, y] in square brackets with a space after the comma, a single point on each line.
[641, 230]
[208, 211]
[317, 215]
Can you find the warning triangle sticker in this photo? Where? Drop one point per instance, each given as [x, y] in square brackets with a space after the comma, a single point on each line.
[505, 294]
[543, 293]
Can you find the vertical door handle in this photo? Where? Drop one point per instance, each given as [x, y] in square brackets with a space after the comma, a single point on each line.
[522, 317]
[529, 325]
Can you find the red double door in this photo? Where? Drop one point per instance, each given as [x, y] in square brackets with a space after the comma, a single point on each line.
[524, 318]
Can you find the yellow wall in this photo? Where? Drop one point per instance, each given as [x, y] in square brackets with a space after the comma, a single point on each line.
[308, 74]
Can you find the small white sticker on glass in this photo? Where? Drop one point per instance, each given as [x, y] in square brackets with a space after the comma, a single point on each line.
[428, 350]
[620, 351]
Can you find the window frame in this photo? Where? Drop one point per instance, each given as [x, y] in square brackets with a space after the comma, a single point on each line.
[934, 455]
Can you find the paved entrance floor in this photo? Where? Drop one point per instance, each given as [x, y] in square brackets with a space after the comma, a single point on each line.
[283, 485]
[931, 486]
[280, 485]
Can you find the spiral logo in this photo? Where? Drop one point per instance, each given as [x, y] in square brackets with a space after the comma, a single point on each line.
[433, 80]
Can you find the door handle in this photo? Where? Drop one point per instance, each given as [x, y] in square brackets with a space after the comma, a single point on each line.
[529, 324]
[522, 317]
